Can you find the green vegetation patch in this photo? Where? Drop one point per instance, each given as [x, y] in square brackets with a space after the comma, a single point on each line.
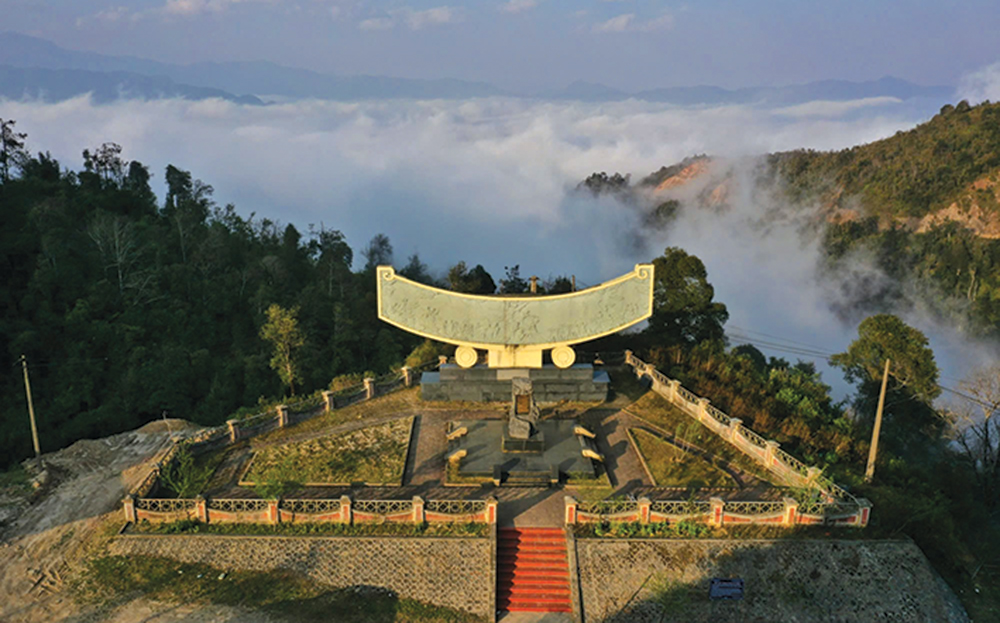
[373, 455]
[672, 466]
[189, 526]
[657, 411]
[635, 530]
[114, 580]
[15, 479]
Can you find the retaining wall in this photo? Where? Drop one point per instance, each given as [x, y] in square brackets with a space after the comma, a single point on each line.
[637, 580]
[452, 572]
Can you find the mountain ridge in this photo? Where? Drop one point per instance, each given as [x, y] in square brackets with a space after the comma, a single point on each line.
[264, 78]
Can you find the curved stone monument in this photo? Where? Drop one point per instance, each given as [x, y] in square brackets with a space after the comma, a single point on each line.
[515, 330]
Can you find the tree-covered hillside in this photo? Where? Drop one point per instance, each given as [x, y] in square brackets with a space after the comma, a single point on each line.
[126, 309]
[907, 175]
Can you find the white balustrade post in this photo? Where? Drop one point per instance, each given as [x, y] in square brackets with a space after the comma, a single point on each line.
[345, 510]
[282, 415]
[718, 511]
[672, 386]
[128, 504]
[407, 376]
[770, 451]
[418, 509]
[234, 430]
[328, 401]
[570, 510]
[645, 506]
[734, 429]
[369, 388]
[791, 512]
[703, 410]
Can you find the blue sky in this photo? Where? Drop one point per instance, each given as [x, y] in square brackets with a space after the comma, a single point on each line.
[539, 44]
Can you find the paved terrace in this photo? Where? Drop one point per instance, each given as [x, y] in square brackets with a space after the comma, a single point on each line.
[520, 506]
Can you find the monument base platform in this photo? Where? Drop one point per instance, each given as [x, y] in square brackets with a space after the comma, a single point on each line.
[480, 383]
[560, 456]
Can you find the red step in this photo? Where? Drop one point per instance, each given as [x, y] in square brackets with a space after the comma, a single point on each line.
[532, 570]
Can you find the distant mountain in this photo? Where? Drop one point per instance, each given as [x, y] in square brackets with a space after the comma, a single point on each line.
[257, 77]
[263, 78]
[54, 85]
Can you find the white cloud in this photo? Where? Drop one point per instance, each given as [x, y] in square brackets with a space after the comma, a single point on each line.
[430, 17]
[627, 22]
[485, 181]
[414, 20]
[376, 23]
[110, 15]
[188, 8]
[822, 108]
[981, 85]
[517, 6]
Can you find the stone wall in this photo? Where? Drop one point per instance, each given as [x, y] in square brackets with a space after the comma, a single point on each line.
[452, 572]
[844, 581]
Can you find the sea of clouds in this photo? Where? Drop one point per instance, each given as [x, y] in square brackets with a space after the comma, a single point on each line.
[491, 181]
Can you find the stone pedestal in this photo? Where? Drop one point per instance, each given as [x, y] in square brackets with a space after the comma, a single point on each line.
[580, 382]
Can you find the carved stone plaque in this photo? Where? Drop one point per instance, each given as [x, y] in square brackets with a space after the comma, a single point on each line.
[515, 329]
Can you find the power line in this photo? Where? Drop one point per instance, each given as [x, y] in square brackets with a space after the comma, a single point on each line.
[825, 356]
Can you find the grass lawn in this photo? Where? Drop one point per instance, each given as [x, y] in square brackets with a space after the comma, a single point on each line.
[672, 467]
[398, 401]
[113, 580]
[656, 410]
[375, 455]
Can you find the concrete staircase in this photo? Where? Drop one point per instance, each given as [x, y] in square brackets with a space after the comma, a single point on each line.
[532, 571]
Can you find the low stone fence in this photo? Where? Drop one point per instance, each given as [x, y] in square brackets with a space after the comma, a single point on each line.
[342, 510]
[456, 572]
[766, 452]
[282, 416]
[719, 512]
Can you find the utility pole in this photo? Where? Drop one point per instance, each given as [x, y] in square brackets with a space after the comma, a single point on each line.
[873, 451]
[31, 411]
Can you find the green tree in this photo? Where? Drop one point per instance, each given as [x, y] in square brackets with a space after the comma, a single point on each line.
[377, 253]
[282, 330]
[184, 476]
[512, 283]
[885, 336]
[475, 281]
[11, 148]
[683, 310]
